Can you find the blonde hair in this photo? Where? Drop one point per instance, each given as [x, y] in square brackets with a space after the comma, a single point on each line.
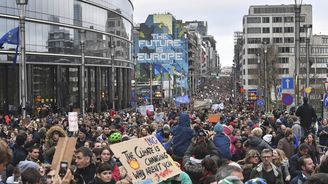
[257, 132]
[281, 157]
[251, 153]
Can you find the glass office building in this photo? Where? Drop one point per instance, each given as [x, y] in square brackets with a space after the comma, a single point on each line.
[55, 33]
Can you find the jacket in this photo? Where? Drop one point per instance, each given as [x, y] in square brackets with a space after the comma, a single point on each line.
[85, 175]
[286, 146]
[256, 143]
[222, 144]
[181, 136]
[297, 130]
[299, 179]
[294, 168]
[307, 115]
[257, 173]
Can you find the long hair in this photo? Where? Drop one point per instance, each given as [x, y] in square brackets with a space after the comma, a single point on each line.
[281, 157]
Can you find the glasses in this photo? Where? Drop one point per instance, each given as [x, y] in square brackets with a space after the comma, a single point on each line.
[266, 157]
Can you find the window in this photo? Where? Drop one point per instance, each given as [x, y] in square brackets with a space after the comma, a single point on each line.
[288, 19]
[253, 19]
[277, 30]
[289, 40]
[265, 30]
[253, 40]
[283, 70]
[252, 81]
[302, 39]
[265, 19]
[252, 71]
[276, 19]
[284, 50]
[324, 40]
[302, 19]
[266, 40]
[254, 30]
[277, 40]
[252, 61]
[288, 29]
[253, 50]
[283, 60]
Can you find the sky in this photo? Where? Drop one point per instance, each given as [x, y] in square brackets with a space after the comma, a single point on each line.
[224, 17]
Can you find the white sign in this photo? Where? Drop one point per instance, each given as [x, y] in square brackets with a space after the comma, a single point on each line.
[143, 109]
[73, 122]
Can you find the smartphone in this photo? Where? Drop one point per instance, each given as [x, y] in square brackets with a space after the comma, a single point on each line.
[63, 168]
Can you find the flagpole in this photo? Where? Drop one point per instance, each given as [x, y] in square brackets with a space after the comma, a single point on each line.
[22, 4]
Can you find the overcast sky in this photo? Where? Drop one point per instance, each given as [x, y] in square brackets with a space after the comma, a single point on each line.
[223, 16]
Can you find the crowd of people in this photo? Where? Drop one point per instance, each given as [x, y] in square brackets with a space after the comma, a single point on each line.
[244, 146]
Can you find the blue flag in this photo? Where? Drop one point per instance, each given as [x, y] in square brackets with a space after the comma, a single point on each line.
[11, 37]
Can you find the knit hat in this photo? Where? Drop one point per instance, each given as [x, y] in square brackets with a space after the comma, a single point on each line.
[23, 165]
[218, 128]
[256, 181]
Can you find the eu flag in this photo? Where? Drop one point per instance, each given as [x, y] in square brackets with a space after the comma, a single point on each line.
[11, 37]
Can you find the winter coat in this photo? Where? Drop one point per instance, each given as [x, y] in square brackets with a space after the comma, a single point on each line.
[20, 154]
[299, 179]
[307, 115]
[258, 173]
[297, 130]
[50, 145]
[99, 181]
[257, 143]
[222, 144]
[294, 168]
[193, 168]
[286, 146]
[181, 136]
[323, 137]
[85, 175]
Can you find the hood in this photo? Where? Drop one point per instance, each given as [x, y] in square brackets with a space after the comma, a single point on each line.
[254, 141]
[184, 120]
[53, 129]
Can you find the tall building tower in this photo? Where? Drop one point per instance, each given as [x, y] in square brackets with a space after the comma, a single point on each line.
[268, 53]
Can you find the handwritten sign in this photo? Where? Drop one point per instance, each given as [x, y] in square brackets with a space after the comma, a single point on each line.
[143, 109]
[72, 122]
[145, 160]
[213, 118]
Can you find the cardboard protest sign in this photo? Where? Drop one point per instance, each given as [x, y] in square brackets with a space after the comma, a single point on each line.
[213, 118]
[64, 152]
[73, 122]
[145, 160]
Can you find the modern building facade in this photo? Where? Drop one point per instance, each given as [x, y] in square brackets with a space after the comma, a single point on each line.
[57, 32]
[268, 46]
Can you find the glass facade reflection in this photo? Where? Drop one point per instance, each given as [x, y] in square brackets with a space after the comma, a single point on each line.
[53, 46]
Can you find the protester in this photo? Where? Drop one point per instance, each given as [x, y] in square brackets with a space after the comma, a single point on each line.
[86, 170]
[250, 161]
[307, 169]
[267, 170]
[307, 115]
[286, 144]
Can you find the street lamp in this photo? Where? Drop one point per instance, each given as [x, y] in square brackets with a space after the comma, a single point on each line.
[308, 29]
[112, 56]
[297, 8]
[22, 4]
[82, 32]
[266, 90]
[259, 77]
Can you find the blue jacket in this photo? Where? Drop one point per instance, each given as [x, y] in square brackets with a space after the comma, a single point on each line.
[181, 135]
[222, 144]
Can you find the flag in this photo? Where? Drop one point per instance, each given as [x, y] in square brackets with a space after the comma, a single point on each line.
[11, 37]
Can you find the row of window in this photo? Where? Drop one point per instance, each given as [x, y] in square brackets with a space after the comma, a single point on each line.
[281, 60]
[274, 40]
[258, 30]
[287, 19]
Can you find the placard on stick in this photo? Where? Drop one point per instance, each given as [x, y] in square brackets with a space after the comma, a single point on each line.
[64, 152]
[145, 160]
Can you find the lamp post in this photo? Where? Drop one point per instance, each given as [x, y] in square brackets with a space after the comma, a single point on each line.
[112, 55]
[151, 83]
[82, 32]
[266, 90]
[259, 77]
[297, 8]
[22, 4]
[308, 30]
